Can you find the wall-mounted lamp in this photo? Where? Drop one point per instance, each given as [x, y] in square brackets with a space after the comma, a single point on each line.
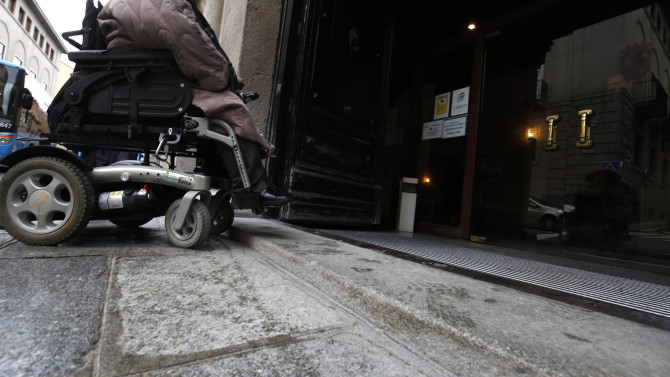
[426, 180]
[472, 26]
[551, 132]
[531, 135]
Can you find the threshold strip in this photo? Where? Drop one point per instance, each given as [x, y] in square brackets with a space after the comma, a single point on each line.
[628, 293]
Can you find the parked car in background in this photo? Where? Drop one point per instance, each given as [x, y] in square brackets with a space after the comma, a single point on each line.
[543, 216]
[15, 100]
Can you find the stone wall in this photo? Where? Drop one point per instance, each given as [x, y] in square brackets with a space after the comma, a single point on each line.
[248, 31]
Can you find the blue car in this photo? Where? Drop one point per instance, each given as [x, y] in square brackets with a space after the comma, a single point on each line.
[14, 100]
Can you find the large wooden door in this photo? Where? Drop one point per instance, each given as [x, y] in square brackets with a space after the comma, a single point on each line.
[329, 109]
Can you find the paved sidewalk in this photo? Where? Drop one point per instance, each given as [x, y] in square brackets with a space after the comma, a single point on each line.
[271, 300]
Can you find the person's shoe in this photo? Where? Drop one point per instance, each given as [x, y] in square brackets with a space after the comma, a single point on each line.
[270, 198]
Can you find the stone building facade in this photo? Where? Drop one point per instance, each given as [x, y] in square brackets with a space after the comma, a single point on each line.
[28, 39]
[249, 32]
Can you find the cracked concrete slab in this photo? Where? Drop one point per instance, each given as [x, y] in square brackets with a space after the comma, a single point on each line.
[231, 311]
[50, 312]
[486, 329]
[338, 353]
[119, 302]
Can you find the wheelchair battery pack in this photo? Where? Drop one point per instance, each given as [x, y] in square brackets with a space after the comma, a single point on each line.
[126, 200]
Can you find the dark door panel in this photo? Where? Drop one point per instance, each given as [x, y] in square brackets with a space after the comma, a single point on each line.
[325, 197]
[336, 152]
[347, 61]
[330, 122]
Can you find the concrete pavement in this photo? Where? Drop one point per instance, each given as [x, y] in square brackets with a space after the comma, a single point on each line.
[270, 300]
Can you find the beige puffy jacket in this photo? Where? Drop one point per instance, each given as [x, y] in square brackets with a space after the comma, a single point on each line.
[172, 24]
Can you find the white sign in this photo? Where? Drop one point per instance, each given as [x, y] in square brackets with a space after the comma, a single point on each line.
[454, 127]
[432, 130]
[459, 101]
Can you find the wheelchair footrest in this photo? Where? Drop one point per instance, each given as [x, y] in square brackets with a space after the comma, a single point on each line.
[246, 200]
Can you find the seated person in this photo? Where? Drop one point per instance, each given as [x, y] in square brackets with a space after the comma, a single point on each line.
[178, 25]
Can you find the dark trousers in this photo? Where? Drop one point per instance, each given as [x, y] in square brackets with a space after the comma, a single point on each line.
[252, 160]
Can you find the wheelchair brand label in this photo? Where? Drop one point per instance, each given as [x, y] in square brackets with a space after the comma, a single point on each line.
[40, 200]
[178, 178]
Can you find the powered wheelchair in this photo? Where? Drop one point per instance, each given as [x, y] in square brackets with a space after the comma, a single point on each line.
[134, 101]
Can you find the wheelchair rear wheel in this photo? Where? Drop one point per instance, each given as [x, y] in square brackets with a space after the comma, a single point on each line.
[196, 227]
[45, 201]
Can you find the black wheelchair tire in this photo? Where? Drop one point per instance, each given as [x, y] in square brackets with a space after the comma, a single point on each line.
[62, 186]
[223, 218]
[196, 229]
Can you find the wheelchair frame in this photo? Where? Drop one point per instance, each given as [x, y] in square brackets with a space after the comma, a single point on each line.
[203, 204]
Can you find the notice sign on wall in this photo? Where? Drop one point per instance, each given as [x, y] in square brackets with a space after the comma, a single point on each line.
[441, 106]
[454, 127]
[432, 130]
[459, 102]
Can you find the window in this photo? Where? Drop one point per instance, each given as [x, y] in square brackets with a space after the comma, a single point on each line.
[51, 54]
[18, 61]
[41, 41]
[44, 86]
[36, 34]
[12, 5]
[33, 74]
[29, 24]
[47, 48]
[22, 15]
[2, 51]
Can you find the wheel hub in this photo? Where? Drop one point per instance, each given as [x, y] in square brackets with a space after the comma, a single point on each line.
[41, 201]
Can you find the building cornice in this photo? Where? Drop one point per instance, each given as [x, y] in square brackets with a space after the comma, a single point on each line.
[39, 14]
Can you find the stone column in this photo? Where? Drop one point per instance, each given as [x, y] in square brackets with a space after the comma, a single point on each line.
[249, 32]
[213, 11]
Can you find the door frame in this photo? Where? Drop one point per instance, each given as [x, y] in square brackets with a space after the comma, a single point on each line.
[477, 39]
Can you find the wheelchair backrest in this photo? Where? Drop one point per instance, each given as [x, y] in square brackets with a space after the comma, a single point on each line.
[121, 90]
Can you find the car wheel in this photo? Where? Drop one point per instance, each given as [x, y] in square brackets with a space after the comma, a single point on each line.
[548, 223]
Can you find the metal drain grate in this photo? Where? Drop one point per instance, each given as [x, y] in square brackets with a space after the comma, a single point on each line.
[633, 294]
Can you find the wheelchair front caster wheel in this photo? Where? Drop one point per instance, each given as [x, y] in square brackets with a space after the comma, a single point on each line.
[196, 227]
